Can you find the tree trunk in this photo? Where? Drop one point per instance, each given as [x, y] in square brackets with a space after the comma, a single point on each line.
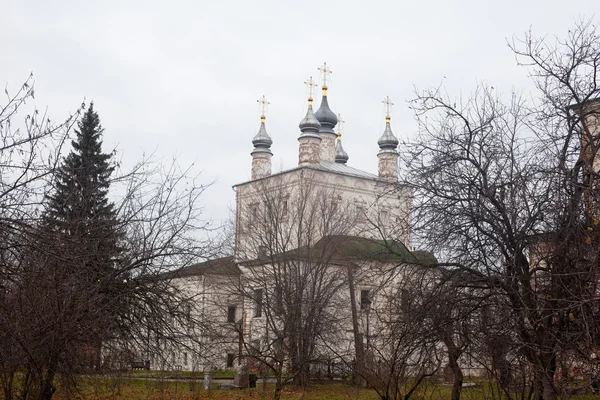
[278, 387]
[47, 388]
[359, 367]
[453, 355]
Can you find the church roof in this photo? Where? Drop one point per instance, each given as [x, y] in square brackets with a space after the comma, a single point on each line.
[218, 266]
[344, 248]
[345, 170]
[327, 166]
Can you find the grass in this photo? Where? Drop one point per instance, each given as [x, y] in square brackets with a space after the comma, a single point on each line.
[227, 374]
[137, 389]
[110, 388]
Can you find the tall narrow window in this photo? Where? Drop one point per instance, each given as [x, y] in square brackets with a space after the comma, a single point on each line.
[285, 208]
[361, 214]
[231, 313]
[258, 299]
[262, 251]
[230, 359]
[252, 216]
[383, 216]
[365, 299]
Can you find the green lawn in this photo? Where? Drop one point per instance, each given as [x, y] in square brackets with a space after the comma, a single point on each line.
[95, 388]
[229, 374]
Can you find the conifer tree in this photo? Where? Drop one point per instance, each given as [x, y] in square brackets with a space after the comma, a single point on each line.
[79, 213]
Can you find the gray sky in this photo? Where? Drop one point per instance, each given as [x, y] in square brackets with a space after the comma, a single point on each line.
[182, 77]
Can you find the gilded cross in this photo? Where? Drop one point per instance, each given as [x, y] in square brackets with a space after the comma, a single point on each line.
[388, 106]
[340, 123]
[325, 71]
[311, 84]
[263, 106]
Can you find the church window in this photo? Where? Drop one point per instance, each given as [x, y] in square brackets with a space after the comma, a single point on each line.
[262, 251]
[231, 313]
[365, 299]
[185, 358]
[361, 214]
[258, 302]
[252, 216]
[230, 359]
[383, 216]
[284, 211]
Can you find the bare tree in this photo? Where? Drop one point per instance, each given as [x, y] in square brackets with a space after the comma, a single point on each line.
[59, 317]
[288, 233]
[505, 192]
[29, 152]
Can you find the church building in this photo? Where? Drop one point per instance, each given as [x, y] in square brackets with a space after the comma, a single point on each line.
[320, 252]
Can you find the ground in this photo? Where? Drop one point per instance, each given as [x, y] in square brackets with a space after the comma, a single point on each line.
[136, 388]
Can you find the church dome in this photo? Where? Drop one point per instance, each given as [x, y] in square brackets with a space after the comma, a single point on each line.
[388, 141]
[309, 123]
[262, 141]
[341, 156]
[326, 117]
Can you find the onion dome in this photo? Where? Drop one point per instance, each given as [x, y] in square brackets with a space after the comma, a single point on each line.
[388, 142]
[309, 126]
[341, 156]
[262, 141]
[325, 116]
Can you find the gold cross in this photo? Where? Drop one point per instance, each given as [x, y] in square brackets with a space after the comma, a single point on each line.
[311, 84]
[340, 123]
[388, 106]
[325, 71]
[263, 105]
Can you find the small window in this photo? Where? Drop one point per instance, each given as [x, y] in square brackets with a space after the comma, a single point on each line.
[383, 216]
[365, 299]
[185, 358]
[188, 312]
[284, 212]
[404, 300]
[231, 313]
[230, 360]
[258, 296]
[361, 215]
[252, 216]
[262, 251]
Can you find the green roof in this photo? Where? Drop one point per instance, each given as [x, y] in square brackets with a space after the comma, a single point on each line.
[341, 248]
[218, 266]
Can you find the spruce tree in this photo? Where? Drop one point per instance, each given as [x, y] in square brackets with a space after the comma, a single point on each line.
[79, 213]
[83, 228]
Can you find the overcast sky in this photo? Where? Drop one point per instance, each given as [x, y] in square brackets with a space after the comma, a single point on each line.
[182, 77]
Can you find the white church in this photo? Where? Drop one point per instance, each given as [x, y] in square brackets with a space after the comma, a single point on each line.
[321, 253]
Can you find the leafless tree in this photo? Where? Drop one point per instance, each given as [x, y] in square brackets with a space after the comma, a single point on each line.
[506, 192]
[57, 317]
[288, 230]
[29, 151]
[403, 353]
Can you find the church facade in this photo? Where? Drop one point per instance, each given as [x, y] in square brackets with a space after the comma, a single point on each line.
[322, 251]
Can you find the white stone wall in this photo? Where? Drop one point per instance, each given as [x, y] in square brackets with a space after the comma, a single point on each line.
[379, 209]
[388, 166]
[309, 151]
[328, 147]
[213, 336]
[261, 165]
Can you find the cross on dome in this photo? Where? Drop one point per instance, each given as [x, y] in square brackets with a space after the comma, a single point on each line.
[263, 106]
[326, 72]
[310, 83]
[340, 123]
[388, 106]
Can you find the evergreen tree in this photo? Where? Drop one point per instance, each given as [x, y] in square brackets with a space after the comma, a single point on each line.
[79, 213]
